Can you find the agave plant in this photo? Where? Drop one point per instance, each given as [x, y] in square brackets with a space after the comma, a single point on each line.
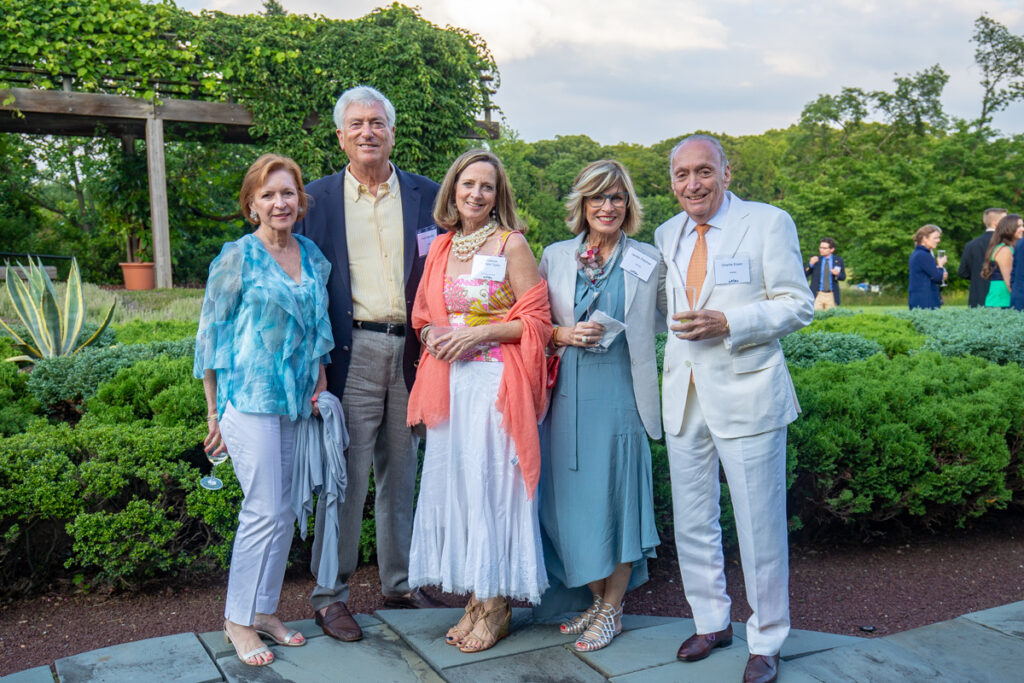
[53, 328]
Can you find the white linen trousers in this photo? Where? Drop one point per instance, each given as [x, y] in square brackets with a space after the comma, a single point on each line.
[755, 468]
[260, 447]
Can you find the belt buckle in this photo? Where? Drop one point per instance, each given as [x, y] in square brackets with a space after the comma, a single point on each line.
[387, 327]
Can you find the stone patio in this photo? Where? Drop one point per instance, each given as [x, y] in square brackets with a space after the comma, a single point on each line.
[401, 646]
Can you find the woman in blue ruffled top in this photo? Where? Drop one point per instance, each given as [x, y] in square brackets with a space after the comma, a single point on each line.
[263, 341]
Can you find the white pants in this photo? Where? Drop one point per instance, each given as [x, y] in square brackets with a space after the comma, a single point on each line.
[260, 447]
[755, 468]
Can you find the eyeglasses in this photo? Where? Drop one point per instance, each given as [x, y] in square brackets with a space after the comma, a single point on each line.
[618, 200]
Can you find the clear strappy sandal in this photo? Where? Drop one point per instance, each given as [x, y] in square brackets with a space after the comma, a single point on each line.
[581, 621]
[605, 626]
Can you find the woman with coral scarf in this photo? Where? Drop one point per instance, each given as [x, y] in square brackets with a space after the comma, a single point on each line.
[482, 313]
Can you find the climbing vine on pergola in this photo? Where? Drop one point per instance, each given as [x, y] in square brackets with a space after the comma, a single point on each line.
[286, 69]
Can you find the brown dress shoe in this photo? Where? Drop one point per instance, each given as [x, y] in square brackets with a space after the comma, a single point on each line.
[699, 645]
[338, 623]
[761, 669]
[415, 599]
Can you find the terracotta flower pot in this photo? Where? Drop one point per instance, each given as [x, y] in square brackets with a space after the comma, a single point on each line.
[138, 275]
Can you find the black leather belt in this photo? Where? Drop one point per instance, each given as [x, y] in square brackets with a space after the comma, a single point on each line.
[397, 329]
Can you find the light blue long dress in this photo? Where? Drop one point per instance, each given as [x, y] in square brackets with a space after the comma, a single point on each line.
[597, 500]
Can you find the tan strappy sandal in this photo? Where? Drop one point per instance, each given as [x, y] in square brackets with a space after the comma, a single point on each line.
[579, 623]
[456, 634]
[492, 626]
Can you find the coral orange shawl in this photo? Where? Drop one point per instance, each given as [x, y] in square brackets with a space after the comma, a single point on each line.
[522, 393]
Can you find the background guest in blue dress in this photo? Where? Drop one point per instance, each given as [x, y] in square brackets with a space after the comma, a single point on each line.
[926, 272]
[597, 501]
[263, 341]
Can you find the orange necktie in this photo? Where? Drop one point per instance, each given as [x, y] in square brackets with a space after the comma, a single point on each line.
[698, 268]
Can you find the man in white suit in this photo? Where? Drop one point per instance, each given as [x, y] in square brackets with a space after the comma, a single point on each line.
[734, 285]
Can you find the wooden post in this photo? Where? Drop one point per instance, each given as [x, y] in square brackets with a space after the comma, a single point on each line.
[158, 200]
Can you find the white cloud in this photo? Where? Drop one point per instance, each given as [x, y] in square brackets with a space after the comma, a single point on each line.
[647, 70]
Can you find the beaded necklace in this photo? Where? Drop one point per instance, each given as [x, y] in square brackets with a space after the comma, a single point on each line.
[465, 246]
[590, 261]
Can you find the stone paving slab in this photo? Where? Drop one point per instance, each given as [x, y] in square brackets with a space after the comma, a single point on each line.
[555, 663]
[702, 672]
[873, 661]
[180, 658]
[802, 643]
[39, 674]
[381, 656]
[976, 652]
[424, 630]
[215, 644]
[1008, 619]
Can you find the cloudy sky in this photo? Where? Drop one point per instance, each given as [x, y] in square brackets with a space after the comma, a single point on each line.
[647, 70]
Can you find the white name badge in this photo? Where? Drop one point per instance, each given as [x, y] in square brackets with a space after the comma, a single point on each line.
[637, 263]
[424, 238]
[732, 270]
[488, 267]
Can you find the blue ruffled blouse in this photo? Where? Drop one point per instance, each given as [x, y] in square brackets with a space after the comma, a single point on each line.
[264, 334]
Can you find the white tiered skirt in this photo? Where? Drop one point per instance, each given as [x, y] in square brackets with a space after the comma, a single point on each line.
[475, 530]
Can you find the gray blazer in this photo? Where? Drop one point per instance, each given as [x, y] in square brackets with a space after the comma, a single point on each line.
[643, 319]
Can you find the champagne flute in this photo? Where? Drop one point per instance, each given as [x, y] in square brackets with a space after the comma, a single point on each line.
[211, 481]
[940, 253]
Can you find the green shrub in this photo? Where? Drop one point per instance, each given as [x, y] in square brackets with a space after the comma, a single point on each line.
[921, 439]
[143, 331]
[804, 350]
[896, 336]
[126, 546]
[991, 333]
[62, 384]
[161, 390]
[17, 409]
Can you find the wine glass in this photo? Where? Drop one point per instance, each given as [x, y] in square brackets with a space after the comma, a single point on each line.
[940, 253]
[210, 481]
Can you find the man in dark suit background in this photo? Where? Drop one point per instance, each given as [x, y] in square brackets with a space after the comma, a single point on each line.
[1017, 278]
[825, 271]
[974, 258]
[373, 222]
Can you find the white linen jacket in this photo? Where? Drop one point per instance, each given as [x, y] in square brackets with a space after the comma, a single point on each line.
[742, 380]
[643, 319]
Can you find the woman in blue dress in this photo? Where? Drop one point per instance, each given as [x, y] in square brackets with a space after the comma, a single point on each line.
[926, 272]
[597, 500]
[263, 341]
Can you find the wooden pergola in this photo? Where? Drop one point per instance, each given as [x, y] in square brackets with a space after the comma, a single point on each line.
[64, 112]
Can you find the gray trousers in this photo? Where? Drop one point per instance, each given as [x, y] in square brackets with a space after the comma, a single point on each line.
[375, 402]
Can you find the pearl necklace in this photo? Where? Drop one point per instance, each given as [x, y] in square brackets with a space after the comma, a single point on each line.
[465, 246]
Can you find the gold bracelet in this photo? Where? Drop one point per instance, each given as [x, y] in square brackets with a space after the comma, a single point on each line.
[554, 336]
[211, 417]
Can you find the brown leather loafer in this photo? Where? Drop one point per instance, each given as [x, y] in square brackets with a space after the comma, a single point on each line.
[338, 623]
[699, 645]
[415, 599]
[761, 669]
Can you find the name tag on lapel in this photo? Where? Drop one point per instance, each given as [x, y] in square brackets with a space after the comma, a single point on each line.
[637, 263]
[424, 238]
[732, 270]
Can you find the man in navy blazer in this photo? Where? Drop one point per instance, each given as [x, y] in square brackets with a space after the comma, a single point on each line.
[973, 258]
[373, 223]
[825, 287]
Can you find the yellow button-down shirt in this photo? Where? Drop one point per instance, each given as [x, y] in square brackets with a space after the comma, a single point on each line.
[373, 229]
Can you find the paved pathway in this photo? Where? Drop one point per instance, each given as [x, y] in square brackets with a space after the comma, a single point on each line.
[402, 646]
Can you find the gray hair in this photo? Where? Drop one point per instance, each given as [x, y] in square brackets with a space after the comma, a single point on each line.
[711, 139]
[365, 95]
